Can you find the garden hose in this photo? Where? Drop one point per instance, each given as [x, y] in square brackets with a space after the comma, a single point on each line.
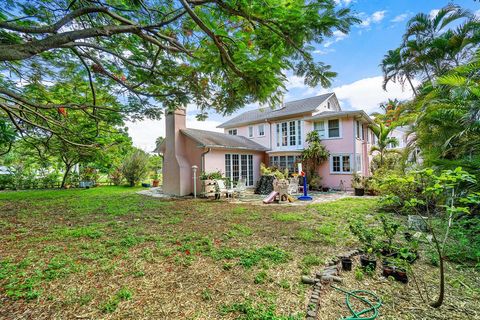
[373, 306]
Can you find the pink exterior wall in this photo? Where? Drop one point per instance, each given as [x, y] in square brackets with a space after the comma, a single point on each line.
[343, 145]
[264, 141]
[176, 168]
[215, 161]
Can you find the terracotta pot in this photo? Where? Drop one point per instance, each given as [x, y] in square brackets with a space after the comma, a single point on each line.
[401, 275]
[155, 183]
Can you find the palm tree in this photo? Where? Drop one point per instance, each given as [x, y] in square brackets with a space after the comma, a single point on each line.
[431, 45]
[382, 132]
[395, 68]
[315, 153]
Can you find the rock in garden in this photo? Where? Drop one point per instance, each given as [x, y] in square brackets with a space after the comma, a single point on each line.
[308, 280]
[311, 313]
[332, 278]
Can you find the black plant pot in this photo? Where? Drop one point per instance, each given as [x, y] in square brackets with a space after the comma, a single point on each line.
[325, 189]
[359, 192]
[408, 236]
[346, 264]
[368, 263]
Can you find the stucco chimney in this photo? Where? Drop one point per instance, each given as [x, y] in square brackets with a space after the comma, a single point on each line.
[176, 168]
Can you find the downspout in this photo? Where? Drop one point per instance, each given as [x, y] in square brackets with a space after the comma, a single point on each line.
[354, 145]
[202, 166]
[203, 159]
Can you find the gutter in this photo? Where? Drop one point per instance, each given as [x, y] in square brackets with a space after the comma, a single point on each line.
[203, 159]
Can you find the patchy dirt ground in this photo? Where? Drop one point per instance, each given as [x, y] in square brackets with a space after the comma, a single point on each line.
[112, 254]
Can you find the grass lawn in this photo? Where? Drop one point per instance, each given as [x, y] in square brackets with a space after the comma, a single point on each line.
[110, 253]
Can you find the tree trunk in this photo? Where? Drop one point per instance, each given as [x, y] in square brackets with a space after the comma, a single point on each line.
[411, 85]
[68, 167]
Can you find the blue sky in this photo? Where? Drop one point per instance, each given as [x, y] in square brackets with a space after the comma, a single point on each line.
[354, 56]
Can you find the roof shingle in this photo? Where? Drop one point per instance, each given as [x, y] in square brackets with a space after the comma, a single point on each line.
[290, 108]
[221, 140]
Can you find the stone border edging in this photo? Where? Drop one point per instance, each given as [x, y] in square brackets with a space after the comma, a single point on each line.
[327, 275]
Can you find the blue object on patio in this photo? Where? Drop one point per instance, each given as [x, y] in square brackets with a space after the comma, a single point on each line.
[146, 185]
[305, 196]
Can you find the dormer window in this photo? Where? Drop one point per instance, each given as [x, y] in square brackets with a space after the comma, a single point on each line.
[328, 105]
[232, 132]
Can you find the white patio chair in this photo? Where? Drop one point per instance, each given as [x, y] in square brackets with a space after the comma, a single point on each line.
[241, 187]
[293, 185]
[222, 189]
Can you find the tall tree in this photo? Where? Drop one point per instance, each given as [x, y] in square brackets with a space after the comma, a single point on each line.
[396, 68]
[384, 140]
[218, 54]
[434, 46]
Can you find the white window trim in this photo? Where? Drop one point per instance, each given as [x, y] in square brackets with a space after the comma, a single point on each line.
[253, 131]
[258, 130]
[330, 160]
[298, 143]
[325, 126]
[228, 131]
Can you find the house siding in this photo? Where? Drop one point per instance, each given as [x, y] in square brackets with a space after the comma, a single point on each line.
[215, 161]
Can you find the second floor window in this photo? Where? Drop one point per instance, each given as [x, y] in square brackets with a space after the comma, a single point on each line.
[334, 128]
[328, 129]
[232, 132]
[288, 133]
[261, 130]
[250, 132]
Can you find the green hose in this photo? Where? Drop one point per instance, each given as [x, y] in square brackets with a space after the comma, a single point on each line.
[373, 308]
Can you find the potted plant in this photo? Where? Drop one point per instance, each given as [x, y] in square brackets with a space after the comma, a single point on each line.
[367, 237]
[315, 182]
[155, 181]
[346, 264]
[208, 182]
[358, 184]
[389, 227]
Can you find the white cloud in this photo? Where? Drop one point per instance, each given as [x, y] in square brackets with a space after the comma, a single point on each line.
[337, 36]
[367, 94]
[477, 13]
[433, 12]
[400, 17]
[144, 133]
[343, 2]
[323, 51]
[375, 17]
[378, 16]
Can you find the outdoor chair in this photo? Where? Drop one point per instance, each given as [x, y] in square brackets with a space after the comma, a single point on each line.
[293, 185]
[241, 187]
[222, 189]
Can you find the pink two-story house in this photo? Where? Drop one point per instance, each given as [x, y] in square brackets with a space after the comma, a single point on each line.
[272, 136]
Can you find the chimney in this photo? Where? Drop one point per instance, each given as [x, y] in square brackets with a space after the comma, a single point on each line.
[176, 168]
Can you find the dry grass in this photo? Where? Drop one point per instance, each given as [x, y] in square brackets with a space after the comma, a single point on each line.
[111, 254]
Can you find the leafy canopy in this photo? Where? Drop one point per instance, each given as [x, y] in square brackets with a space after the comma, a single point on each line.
[55, 55]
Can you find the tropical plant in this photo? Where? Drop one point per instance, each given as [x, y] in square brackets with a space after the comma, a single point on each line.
[384, 141]
[433, 47]
[315, 153]
[447, 191]
[448, 123]
[396, 68]
[135, 167]
[156, 55]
